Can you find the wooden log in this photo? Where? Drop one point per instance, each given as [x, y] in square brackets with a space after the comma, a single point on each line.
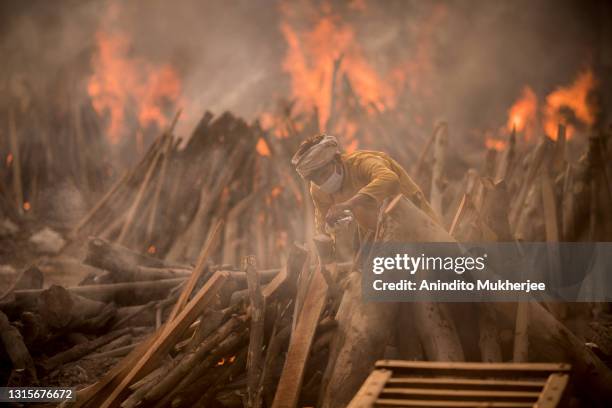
[552, 341]
[409, 347]
[123, 268]
[189, 362]
[123, 182]
[520, 351]
[489, 342]
[537, 158]
[121, 341]
[505, 165]
[290, 383]
[209, 322]
[199, 269]
[62, 309]
[120, 293]
[208, 198]
[494, 211]
[168, 336]
[30, 278]
[436, 328]
[131, 212]
[80, 350]
[418, 168]
[167, 150]
[439, 160]
[567, 204]
[284, 283]
[103, 252]
[186, 392]
[143, 386]
[17, 352]
[231, 236]
[256, 335]
[222, 379]
[278, 340]
[437, 332]
[360, 340]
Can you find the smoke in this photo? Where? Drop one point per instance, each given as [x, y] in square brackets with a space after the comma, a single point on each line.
[465, 62]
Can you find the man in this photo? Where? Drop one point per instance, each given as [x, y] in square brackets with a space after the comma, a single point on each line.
[358, 182]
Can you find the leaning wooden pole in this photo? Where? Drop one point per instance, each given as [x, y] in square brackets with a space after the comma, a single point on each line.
[364, 328]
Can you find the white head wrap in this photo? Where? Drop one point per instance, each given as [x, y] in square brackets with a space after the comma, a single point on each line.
[317, 156]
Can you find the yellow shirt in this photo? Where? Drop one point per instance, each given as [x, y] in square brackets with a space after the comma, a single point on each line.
[374, 174]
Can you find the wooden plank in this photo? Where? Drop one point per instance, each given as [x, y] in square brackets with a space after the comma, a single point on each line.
[510, 369]
[198, 270]
[291, 378]
[370, 390]
[387, 402]
[466, 382]
[256, 335]
[484, 395]
[553, 391]
[170, 334]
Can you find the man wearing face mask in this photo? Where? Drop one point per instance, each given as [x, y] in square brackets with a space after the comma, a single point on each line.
[358, 182]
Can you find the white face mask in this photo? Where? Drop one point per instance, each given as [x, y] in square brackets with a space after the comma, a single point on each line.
[334, 182]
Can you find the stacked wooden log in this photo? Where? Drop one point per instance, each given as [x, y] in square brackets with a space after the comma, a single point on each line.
[230, 338]
[166, 204]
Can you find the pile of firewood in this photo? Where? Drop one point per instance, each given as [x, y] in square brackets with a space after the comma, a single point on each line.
[166, 203]
[204, 334]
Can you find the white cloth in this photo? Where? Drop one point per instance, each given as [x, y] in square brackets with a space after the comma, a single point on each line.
[317, 156]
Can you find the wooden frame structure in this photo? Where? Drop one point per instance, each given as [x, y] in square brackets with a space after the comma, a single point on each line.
[396, 383]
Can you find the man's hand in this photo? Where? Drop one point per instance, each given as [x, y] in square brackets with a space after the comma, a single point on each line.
[363, 207]
[337, 211]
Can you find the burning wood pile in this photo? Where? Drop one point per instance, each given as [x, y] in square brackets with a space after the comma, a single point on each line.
[146, 327]
[191, 336]
[221, 175]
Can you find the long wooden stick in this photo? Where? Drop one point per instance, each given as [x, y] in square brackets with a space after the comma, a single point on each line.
[139, 196]
[256, 335]
[158, 188]
[170, 333]
[198, 270]
[290, 382]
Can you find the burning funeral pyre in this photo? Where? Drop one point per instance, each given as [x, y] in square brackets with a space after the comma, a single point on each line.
[157, 255]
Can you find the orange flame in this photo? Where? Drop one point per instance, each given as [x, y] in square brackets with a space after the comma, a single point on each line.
[9, 159]
[123, 84]
[27, 206]
[522, 115]
[151, 250]
[262, 147]
[573, 97]
[495, 144]
[310, 58]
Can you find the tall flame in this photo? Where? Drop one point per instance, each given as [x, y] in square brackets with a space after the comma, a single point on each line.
[523, 114]
[125, 86]
[567, 105]
[573, 97]
[310, 58]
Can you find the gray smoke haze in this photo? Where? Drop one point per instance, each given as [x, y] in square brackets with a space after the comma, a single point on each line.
[479, 54]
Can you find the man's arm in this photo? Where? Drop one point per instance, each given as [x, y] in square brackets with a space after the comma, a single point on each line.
[383, 183]
[322, 205]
